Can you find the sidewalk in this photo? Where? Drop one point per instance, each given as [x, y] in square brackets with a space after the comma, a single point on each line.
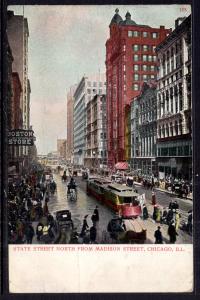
[165, 191]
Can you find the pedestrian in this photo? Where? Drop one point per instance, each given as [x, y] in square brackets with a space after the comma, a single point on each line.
[176, 206]
[39, 231]
[164, 215]
[153, 199]
[154, 212]
[145, 213]
[93, 234]
[95, 216]
[84, 227]
[158, 215]
[32, 213]
[29, 233]
[45, 234]
[20, 231]
[189, 221]
[158, 236]
[171, 204]
[170, 215]
[172, 233]
[45, 209]
[177, 220]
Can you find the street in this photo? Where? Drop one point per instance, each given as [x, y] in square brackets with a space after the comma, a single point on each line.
[85, 205]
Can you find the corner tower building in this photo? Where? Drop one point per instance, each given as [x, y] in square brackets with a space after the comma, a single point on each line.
[130, 61]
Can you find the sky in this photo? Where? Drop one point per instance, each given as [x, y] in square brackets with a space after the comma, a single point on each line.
[67, 42]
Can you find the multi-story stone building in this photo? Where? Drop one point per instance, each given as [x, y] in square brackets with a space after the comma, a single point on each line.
[61, 148]
[85, 91]
[96, 152]
[16, 114]
[16, 157]
[70, 123]
[18, 33]
[130, 60]
[174, 146]
[144, 129]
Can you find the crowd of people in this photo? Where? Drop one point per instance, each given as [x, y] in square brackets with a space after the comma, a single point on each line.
[181, 188]
[28, 199]
[170, 216]
[29, 216]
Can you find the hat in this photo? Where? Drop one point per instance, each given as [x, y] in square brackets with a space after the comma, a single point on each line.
[85, 216]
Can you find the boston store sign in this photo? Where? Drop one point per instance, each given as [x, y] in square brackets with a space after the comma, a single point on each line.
[21, 137]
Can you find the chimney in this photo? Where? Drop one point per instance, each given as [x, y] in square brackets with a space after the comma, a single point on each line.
[177, 23]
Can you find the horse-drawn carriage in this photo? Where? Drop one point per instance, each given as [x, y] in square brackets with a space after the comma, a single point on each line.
[127, 230]
[65, 227]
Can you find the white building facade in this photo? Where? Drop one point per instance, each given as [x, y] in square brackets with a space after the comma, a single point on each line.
[96, 149]
[85, 92]
[174, 144]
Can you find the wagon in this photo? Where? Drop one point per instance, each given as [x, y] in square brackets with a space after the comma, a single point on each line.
[63, 218]
[127, 230]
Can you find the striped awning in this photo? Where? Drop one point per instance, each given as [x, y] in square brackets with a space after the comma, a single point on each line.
[122, 166]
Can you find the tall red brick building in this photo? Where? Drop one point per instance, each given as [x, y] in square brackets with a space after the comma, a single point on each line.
[130, 61]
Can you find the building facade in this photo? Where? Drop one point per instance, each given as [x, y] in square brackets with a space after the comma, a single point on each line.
[144, 130]
[96, 150]
[174, 144]
[16, 154]
[16, 114]
[130, 60]
[18, 33]
[128, 133]
[70, 123]
[85, 91]
[61, 148]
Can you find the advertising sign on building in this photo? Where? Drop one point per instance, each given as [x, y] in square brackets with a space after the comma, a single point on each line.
[21, 137]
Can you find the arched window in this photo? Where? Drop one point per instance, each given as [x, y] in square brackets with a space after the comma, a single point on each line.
[159, 105]
[163, 131]
[176, 128]
[180, 127]
[172, 51]
[171, 129]
[163, 102]
[167, 101]
[167, 130]
[159, 131]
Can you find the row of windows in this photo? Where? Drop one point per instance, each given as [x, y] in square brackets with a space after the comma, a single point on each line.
[150, 58]
[175, 151]
[151, 68]
[95, 91]
[145, 34]
[175, 77]
[144, 77]
[144, 48]
[174, 50]
[101, 153]
[95, 84]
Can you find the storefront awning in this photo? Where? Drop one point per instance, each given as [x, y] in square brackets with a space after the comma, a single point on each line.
[122, 166]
